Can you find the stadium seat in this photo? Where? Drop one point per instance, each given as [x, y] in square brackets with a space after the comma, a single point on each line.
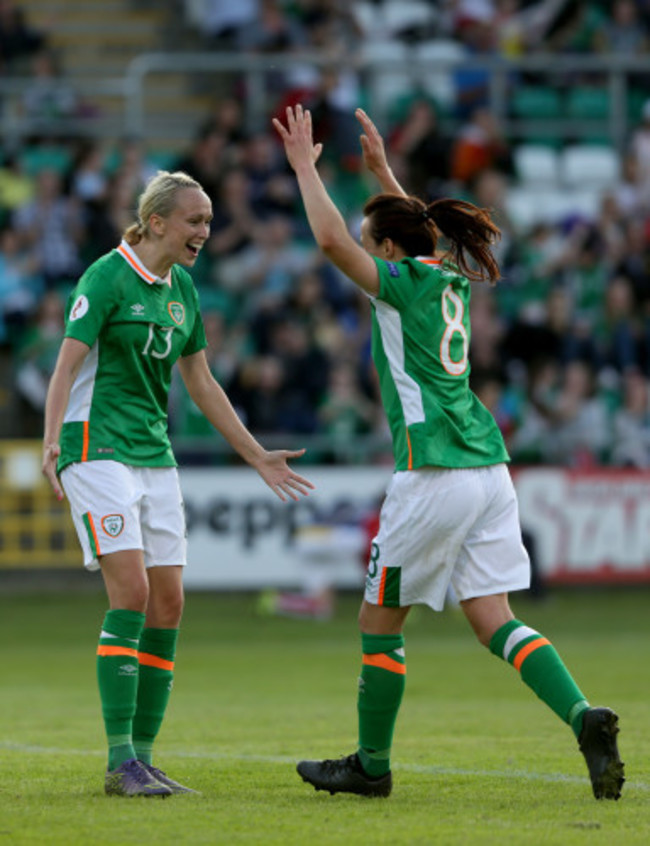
[438, 59]
[536, 102]
[589, 166]
[388, 82]
[589, 103]
[536, 164]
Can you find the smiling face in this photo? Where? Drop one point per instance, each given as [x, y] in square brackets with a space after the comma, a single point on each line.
[186, 229]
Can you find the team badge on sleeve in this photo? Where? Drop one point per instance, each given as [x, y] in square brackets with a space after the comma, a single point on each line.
[177, 312]
[113, 524]
[80, 307]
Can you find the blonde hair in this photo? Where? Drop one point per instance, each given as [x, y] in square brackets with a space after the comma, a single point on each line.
[158, 197]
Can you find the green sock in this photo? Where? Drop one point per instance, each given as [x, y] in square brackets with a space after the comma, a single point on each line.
[381, 687]
[542, 670]
[117, 677]
[157, 651]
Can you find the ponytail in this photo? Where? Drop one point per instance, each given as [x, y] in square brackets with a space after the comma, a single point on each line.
[133, 234]
[470, 231]
[416, 226]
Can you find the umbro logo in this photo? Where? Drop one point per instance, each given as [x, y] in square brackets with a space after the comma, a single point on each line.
[127, 670]
[137, 308]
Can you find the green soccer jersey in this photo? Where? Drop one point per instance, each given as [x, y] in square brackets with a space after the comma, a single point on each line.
[136, 326]
[420, 346]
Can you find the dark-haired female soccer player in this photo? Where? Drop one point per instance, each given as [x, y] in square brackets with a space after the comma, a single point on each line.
[450, 514]
[133, 314]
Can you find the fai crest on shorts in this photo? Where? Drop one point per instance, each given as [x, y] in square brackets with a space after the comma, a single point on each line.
[113, 524]
[177, 311]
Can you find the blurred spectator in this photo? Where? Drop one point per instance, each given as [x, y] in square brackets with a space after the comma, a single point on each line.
[50, 227]
[640, 146]
[575, 28]
[580, 432]
[234, 220]
[618, 330]
[88, 180]
[265, 270]
[345, 410]
[419, 140]
[206, 160]
[272, 30]
[222, 21]
[479, 145]
[631, 424]
[35, 362]
[49, 100]
[17, 38]
[19, 287]
[624, 32]
[16, 186]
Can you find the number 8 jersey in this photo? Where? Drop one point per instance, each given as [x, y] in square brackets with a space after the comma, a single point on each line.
[420, 346]
[136, 326]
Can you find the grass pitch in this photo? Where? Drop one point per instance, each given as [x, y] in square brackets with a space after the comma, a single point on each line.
[477, 758]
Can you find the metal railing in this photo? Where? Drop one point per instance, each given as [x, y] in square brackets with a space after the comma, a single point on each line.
[616, 73]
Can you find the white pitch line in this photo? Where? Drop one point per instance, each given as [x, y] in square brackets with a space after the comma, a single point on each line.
[285, 759]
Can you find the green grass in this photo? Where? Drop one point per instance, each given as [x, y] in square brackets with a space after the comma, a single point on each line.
[477, 758]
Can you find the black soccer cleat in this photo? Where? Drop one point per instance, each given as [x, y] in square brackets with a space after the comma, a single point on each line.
[597, 743]
[344, 775]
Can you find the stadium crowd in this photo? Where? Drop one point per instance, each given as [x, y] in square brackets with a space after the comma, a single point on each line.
[560, 347]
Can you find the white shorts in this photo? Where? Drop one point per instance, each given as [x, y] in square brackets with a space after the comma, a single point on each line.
[117, 506]
[447, 527]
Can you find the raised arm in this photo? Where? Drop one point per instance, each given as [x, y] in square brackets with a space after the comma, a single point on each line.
[374, 155]
[326, 222]
[210, 397]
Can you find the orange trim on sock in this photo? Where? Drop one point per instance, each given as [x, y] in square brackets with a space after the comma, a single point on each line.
[385, 663]
[116, 650]
[154, 661]
[530, 647]
[86, 438]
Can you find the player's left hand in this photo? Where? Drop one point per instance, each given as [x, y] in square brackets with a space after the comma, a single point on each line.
[297, 137]
[277, 474]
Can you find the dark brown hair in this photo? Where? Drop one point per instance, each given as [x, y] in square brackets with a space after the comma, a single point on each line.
[414, 226]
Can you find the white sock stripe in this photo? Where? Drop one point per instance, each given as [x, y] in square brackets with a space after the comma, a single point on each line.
[108, 634]
[400, 652]
[516, 637]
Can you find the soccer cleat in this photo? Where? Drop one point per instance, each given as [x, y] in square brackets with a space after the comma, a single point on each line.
[132, 779]
[344, 775]
[597, 743]
[163, 778]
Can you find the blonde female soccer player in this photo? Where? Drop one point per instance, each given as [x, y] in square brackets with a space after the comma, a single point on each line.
[450, 515]
[134, 313]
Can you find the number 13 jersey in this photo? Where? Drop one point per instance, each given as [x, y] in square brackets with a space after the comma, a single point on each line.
[136, 326]
[420, 346]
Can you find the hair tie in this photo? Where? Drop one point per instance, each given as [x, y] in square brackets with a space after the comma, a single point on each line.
[425, 214]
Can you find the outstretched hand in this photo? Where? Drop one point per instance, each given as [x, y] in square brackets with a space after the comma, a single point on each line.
[297, 137]
[277, 474]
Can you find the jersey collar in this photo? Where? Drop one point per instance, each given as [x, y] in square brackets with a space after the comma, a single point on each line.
[430, 260]
[131, 258]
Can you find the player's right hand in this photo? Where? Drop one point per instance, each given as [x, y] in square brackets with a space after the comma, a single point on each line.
[51, 454]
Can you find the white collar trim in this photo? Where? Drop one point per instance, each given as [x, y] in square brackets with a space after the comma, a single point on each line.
[131, 258]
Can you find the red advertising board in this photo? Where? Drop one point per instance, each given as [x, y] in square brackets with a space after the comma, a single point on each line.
[588, 527]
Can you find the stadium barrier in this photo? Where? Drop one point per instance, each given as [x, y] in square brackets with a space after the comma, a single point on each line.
[587, 527]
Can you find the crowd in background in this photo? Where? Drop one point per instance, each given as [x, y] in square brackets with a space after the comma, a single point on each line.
[560, 347]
